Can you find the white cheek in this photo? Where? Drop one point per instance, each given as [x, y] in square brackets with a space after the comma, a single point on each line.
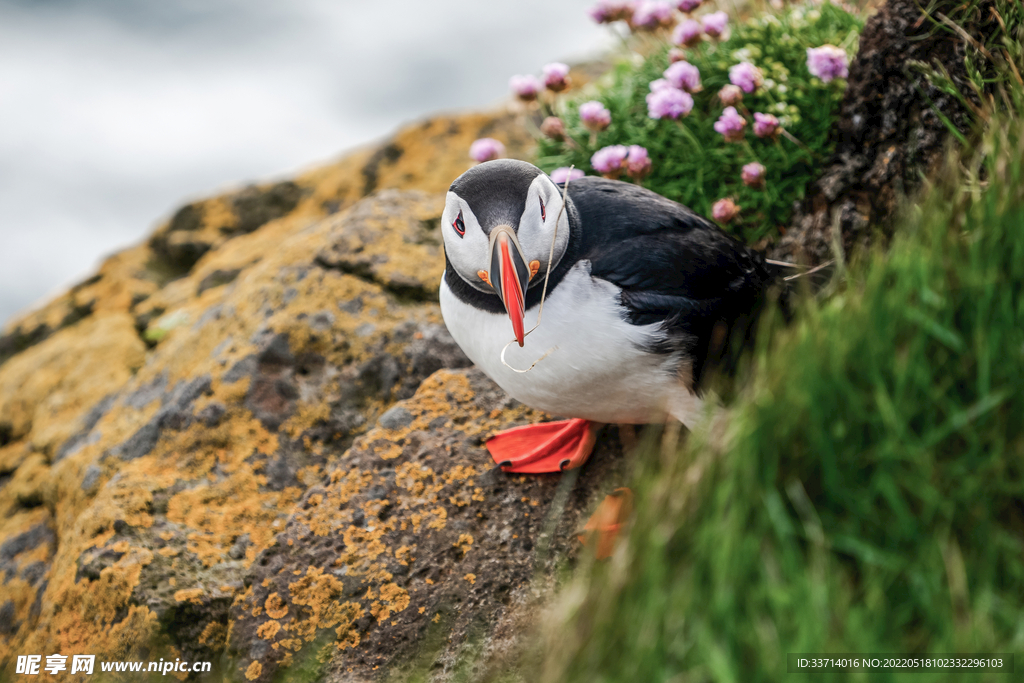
[468, 254]
[539, 244]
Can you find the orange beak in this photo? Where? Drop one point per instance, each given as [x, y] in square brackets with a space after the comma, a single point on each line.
[510, 276]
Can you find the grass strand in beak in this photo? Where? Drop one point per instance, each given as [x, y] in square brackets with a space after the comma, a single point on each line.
[544, 288]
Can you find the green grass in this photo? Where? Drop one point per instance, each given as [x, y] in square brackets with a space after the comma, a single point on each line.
[871, 498]
[696, 166]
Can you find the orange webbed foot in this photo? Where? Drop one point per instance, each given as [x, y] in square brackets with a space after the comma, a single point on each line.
[604, 526]
[544, 447]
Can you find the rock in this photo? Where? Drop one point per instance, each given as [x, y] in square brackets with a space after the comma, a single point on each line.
[49, 391]
[303, 446]
[256, 207]
[404, 534]
[31, 539]
[888, 136]
[402, 259]
[217, 278]
[7, 623]
[396, 418]
[212, 414]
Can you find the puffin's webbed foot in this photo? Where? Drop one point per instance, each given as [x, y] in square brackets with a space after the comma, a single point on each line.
[603, 527]
[544, 447]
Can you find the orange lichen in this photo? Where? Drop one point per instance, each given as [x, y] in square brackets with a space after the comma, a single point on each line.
[216, 512]
[390, 451]
[317, 594]
[325, 519]
[470, 577]
[464, 543]
[288, 644]
[268, 630]
[440, 518]
[307, 415]
[348, 637]
[308, 475]
[254, 671]
[275, 606]
[419, 480]
[460, 473]
[362, 547]
[393, 599]
[193, 595]
[214, 635]
[46, 389]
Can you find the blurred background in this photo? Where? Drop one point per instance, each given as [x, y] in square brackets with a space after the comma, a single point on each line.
[115, 112]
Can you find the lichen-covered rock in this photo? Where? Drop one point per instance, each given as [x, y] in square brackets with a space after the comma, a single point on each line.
[230, 418]
[48, 389]
[412, 529]
[252, 441]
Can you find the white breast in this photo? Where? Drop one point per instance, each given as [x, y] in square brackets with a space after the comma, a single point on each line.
[598, 368]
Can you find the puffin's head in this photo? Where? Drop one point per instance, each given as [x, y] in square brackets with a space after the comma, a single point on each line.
[498, 223]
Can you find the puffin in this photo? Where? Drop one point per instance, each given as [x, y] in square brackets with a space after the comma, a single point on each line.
[595, 299]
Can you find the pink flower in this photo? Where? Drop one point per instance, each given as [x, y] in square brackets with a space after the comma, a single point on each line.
[560, 175]
[608, 161]
[747, 76]
[724, 210]
[668, 103]
[607, 11]
[486, 149]
[553, 128]
[676, 55]
[827, 62]
[730, 124]
[684, 76]
[687, 33]
[594, 116]
[525, 88]
[556, 76]
[687, 6]
[652, 14]
[765, 125]
[730, 95]
[659, 84]
[638, 164]
[714, 24]
[753, 175]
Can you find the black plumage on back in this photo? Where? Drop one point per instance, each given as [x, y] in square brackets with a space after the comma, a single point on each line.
[674, 267]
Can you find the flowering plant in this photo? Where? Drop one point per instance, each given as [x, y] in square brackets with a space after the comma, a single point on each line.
[740, 111]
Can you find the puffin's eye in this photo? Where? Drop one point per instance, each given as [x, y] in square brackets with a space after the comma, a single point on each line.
[542, 215]
[459, 225]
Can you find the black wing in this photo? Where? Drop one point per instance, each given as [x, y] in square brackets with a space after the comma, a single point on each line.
[673, 267]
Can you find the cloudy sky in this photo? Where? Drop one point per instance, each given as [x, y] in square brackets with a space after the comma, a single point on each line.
[114, 112]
